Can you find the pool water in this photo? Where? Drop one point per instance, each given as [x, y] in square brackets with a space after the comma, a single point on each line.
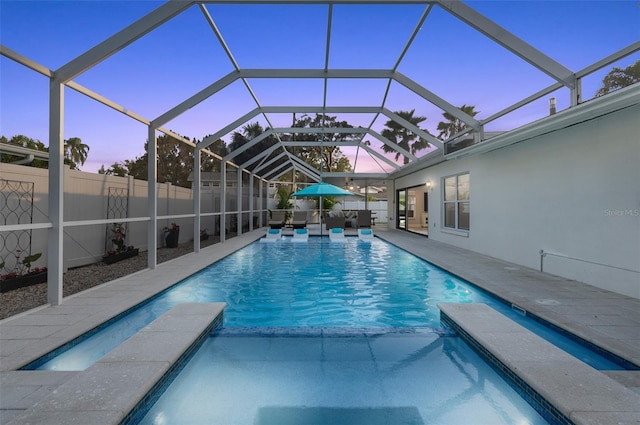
[374, 379]
[322, 283]
[353, 284]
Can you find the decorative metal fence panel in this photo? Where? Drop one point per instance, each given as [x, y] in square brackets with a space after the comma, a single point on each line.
[16, 207]
[117, 207]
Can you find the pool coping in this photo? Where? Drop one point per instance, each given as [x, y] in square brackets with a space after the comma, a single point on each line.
[559, 386]
[605, 319]
[118, 387]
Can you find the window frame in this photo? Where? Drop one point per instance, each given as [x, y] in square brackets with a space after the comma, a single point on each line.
[459, 204]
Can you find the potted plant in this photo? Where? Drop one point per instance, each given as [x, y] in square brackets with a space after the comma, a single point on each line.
[171, 235]
[23, 275]
[120, 250]
[284, 202]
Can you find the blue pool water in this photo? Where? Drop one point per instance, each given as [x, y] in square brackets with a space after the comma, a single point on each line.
[314, 284]
[372, 379]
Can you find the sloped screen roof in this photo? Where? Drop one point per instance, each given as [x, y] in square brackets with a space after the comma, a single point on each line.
[354, 70]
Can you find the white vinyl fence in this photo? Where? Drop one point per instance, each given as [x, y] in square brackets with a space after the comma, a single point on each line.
[91, 196]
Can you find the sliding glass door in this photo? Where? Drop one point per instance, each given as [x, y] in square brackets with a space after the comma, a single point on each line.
[412, 209]
[401, 213]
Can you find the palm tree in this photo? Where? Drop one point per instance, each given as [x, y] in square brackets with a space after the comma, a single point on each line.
[618, 78]
[249, 132]
[75, 152]
[404, 137]
[453, 125]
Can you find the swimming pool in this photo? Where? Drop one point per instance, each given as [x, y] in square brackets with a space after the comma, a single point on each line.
[371, 378]
[319, 283]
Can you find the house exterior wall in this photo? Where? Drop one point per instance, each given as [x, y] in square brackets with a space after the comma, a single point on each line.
[572, 192]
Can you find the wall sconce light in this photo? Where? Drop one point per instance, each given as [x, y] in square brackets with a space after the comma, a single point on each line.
[428, 184]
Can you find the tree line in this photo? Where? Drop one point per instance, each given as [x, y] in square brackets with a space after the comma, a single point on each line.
[75, 152]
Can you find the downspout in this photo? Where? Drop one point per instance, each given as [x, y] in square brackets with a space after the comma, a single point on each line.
[24, 161]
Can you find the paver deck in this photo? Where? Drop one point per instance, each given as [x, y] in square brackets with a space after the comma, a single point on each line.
[606, 319]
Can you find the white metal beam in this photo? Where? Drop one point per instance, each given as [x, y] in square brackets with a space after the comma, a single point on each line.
[437, 100]
[379, 156]
[316, 73]
[121, 39]
[227, 50]
[197, 200]
[622, 53]
[306, 173]
[248, 145]
[355, 175]
[223, 201]
[237, 123]
[93, 95]
[271, 161]
[56, 193]
[392, 145]
[196, 98]
[420, 132]
[308, 169]
[318, 143]
[314, 178]
[320, 130]
[523, 102]
[262, 154]
[321, 109]
[415, 32]
[317, 1]
[239, 205]
[278, 171]
[23, 60]
[152, 198]
[512, 43]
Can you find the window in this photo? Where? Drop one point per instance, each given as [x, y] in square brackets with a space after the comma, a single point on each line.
[456, 202]
[411, 204]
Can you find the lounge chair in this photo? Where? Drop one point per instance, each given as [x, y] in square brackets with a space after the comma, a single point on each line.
[277, 219]
[364, 219]
[299, 220]
[365, 234]
[336, 234]
[272, 235]
[333, 222]
[300, 235]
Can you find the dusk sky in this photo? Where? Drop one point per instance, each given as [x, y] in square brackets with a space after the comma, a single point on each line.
[183, 56]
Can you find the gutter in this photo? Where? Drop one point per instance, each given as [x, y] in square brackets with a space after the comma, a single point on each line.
[596, 108]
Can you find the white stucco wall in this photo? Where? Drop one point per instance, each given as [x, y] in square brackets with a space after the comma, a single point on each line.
[574, 192]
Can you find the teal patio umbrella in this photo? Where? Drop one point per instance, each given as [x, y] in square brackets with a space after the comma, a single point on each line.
[319, 190]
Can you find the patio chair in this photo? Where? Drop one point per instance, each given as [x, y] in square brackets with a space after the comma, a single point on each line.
[365, 234]
[277, 219]
[364, 219]
[299, 220]
[332, 221]
[300, 235]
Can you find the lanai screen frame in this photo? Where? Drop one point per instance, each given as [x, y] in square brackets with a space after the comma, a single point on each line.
[64, 76]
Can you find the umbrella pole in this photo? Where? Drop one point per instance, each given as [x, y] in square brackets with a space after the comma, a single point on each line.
[320, 217]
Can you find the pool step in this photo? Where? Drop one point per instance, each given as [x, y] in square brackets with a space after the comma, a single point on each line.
[540, 371]
[112, 390]
[329, 331]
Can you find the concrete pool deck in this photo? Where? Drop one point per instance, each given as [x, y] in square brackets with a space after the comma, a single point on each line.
[608, 320]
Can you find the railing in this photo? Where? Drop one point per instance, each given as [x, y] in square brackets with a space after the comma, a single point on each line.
[544, 254]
